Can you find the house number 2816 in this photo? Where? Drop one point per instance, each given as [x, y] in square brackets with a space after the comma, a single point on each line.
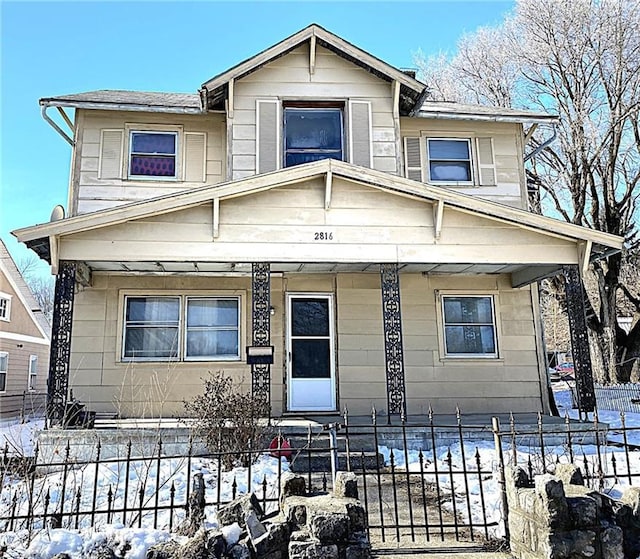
[323, 236]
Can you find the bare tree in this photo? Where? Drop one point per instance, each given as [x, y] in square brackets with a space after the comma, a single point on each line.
[42, 287]
[580, 60]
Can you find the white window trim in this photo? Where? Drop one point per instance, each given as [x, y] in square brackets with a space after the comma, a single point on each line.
[240, 295]
[130, 128]
[472, 165]
[7, 313]
[444, 356]
[5, 372]
[32, 387]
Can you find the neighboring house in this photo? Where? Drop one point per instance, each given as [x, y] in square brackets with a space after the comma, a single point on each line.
[24, 345]
[311, 200]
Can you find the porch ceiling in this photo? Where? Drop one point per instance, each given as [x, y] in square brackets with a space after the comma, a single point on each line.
[214, 268]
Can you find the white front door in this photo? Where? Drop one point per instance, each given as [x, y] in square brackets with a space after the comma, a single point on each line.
[310, 353]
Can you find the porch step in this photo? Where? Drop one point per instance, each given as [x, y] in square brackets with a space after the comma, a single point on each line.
[303, 462]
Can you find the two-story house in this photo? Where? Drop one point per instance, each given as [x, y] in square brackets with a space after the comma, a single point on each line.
[311, 224]
[24, 345]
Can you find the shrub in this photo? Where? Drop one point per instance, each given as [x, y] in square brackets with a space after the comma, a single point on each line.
[229, 420]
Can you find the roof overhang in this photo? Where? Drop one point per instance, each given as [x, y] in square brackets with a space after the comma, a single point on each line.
[589, 244]
[412, 91]
[127, 101]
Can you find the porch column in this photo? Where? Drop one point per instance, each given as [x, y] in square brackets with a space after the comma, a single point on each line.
[574, 293]
[393, 349]
[58, 381]
[261, 320]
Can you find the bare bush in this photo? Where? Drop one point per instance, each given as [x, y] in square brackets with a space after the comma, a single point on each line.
[229, 420]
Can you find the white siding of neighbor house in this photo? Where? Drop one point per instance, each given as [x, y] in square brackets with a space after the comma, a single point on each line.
[510, 187]
[288, 78]
[510, 383]
[91, 192]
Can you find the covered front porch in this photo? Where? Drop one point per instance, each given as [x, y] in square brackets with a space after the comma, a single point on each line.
[372, 290]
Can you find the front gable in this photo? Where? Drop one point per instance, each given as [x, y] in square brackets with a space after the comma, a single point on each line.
[325, 213]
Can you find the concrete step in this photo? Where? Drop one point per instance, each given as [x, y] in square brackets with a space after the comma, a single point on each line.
[303, 462]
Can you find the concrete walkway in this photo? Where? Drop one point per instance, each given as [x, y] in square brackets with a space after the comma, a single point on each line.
[440, 551]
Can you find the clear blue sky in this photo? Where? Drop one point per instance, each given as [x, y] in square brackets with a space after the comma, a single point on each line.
[52, 48]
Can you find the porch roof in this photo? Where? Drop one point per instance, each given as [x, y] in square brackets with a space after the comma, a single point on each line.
[588, 244]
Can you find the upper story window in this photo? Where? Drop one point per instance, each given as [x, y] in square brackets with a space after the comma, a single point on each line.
[449, 160]
[153, 154]
[5, 307]
[312, 133]
[147, 152]
[469, 326]
[190, 328]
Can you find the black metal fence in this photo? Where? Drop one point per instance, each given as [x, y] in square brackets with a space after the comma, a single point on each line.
[421, 482]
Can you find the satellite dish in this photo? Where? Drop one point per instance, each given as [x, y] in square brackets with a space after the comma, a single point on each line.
[57, 213]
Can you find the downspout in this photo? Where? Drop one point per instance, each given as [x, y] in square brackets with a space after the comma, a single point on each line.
[543, 145]
[54, 125]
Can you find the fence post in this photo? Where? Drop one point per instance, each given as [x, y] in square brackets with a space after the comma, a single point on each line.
[502, 482]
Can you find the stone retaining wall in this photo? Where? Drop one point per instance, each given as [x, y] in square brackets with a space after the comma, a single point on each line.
[557, 517]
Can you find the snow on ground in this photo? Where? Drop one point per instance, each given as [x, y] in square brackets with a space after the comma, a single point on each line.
[77, 543]
[18, 437]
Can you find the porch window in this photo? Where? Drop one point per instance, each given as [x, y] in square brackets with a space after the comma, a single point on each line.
[152, 154]
[213, 329]
[312, 133]
[151, 330]
[469, 326]
[449, 160]
[176, 327]
[4, 367]
[33, 372]
[5, 307]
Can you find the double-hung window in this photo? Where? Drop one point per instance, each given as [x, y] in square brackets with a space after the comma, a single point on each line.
[5, 307]
[152, 326]
[212, 328]
[193, 328]
[152, 154]
[33, 372]
[4, 368]
[469, 326]
[312, 133]
[449, 160]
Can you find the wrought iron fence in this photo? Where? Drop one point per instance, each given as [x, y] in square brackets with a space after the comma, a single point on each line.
[607, 454]
[421, 481]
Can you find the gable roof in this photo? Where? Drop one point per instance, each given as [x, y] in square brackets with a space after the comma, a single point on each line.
[38, 237]
[213, 93]
[14, 277]
[412, 91]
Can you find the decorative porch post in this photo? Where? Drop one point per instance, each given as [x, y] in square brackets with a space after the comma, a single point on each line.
[574, 292]
[261, 319]
[58, 381]
[393, 349]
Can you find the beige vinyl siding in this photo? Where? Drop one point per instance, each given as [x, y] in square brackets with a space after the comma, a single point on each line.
[280, 224]
[98, 183]
[510, 383]
[504, 139]
[288, 78]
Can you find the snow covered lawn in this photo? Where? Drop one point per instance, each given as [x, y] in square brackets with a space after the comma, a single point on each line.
[126, 534]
